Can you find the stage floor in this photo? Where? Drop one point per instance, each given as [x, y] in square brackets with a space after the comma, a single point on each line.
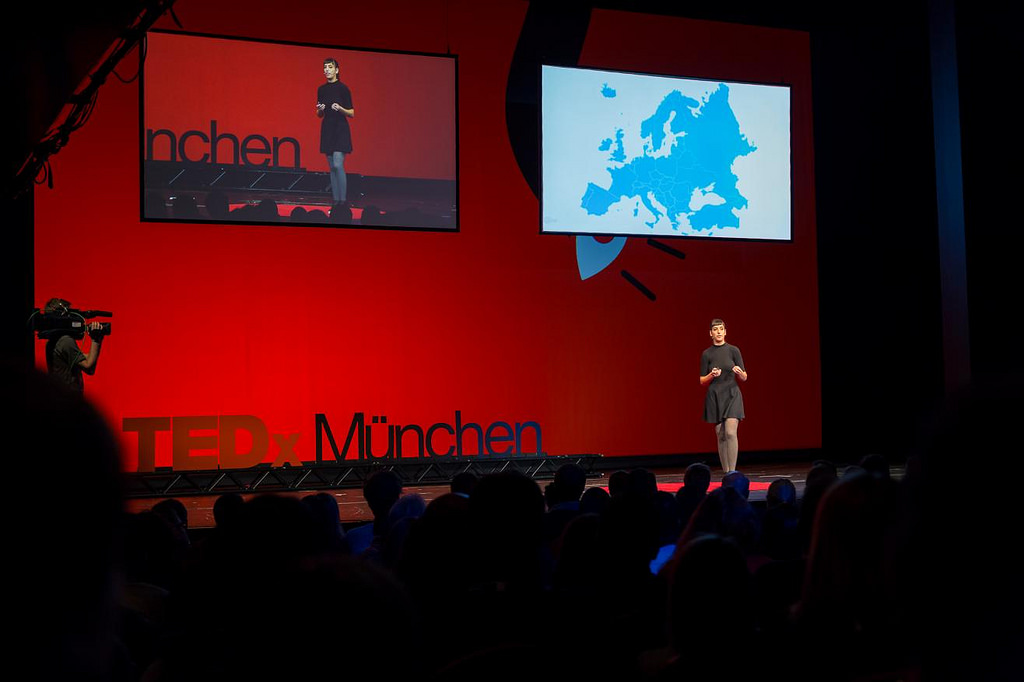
[353, 508]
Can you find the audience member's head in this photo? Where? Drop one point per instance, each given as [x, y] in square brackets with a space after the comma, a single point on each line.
[507, 510]
[594, 501]
[244, 213]
[819, 478]
[581, 555]
[463, 483]
[173, 513]
[618, 483]
[845, 590]
[567, 486]
[779, 533]
[824, 469]
[217, 206]
[642, 483]
[227, 510]
[341, 213]
[630, 530]
[438, 549]
[381, 490]
[852, 470]
[330, 535]
[739, 482]
[401, 518]
[275, 531]
[267, 211]
[668, 518]
[408, 506]
[697, 479]
[876, 465]
[696, 482]
[727, 513]
[709, 594]
[823, 474]
[150, 550]
[781, 492]
[63, 551]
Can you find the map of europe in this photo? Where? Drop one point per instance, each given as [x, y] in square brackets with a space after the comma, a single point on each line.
[687, 173]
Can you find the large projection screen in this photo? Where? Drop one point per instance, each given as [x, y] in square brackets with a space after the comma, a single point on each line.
[640, 155]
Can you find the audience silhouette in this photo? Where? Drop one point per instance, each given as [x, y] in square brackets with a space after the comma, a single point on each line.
[867, 577]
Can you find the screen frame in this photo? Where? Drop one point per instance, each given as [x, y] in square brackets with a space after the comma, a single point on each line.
[199, 220]
[655, 236]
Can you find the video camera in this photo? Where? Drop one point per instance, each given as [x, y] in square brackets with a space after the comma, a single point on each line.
[64, 320]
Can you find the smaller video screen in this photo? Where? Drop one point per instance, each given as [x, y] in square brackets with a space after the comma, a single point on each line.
[244, 131]
[643, 155]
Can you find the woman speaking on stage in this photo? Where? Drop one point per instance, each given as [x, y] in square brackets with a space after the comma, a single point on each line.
[721, 370]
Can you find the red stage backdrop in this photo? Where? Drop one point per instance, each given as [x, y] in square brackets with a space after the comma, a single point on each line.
[230, 340]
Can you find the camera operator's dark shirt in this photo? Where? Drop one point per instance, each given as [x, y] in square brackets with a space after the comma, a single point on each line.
[62, 358]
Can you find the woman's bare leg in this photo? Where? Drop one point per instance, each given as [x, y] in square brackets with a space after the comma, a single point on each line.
[723, 448]
[728, 443]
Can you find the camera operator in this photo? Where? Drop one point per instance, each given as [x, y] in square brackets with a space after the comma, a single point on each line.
[65, 361]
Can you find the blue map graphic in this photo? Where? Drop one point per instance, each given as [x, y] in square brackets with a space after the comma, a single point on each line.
[706, 142]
